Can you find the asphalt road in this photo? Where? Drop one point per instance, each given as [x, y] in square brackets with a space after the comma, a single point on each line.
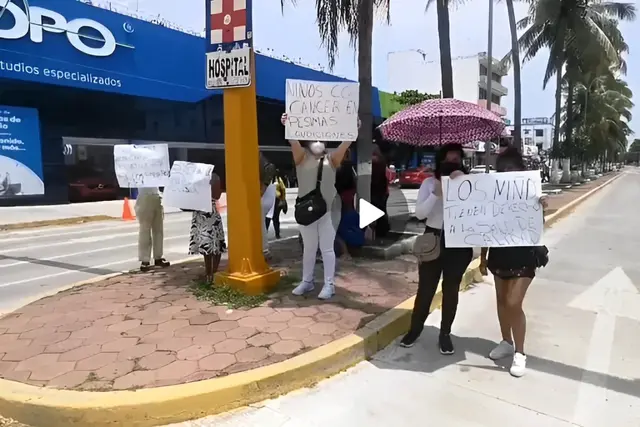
[40, 261]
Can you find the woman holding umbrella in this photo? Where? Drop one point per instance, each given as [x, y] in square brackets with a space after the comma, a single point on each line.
[447, 123]
[450, 263]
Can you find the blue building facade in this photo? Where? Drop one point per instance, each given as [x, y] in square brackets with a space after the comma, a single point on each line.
[97, 78]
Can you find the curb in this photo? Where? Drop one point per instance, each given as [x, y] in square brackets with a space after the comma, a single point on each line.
[52, 292]
[172, 404]
[158, 406]
[52, 222]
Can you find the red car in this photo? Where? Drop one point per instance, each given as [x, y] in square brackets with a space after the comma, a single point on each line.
[86, 185]
[412, 178]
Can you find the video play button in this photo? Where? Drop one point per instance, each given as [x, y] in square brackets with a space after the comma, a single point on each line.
[368, 213]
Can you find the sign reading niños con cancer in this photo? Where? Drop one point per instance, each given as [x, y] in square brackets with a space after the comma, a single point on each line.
[490, 210]
[321, 111]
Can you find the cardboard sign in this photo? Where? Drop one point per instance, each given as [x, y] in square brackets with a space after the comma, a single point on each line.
[140, 166]
[493, 210]
[189, 186]
[321, 111]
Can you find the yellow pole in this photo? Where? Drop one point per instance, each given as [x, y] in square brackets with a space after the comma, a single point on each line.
[248, 270]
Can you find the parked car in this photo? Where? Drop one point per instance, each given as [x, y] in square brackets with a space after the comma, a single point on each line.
[90, 185]
[412, 178]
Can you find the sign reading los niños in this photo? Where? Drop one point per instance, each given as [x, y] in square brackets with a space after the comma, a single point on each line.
[41, 20]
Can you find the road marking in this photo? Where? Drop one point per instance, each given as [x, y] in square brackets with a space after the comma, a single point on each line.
[62, 273]
[107, 227]
[83, 252]
[607, 299]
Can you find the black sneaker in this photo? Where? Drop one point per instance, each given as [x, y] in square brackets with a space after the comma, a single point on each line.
[445, 344]
[410, 339]
[161, 263]
[145, 266]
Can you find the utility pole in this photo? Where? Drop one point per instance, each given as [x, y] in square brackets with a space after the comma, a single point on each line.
[487, 144]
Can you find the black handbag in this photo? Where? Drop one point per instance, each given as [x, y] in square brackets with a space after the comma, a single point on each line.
[541, 254]
[312, 206]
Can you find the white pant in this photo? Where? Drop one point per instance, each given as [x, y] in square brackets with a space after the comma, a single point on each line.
[320, 233]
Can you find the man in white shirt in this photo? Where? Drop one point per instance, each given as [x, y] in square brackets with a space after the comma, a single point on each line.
[151, 233]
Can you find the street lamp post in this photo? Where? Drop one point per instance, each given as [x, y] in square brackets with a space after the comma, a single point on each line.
[487, 144]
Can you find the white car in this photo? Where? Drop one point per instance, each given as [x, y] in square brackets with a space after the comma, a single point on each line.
[482, 169]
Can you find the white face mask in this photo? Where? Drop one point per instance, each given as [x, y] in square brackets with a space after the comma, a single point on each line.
[317, 148]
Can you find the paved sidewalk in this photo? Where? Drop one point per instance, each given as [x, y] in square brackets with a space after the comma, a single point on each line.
[583, 355]
[148, 330]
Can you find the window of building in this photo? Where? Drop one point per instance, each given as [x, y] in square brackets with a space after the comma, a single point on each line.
[495, 99]
[539, 132]
[526, 131]
[482, 94]
[483, 70]
[496, 78]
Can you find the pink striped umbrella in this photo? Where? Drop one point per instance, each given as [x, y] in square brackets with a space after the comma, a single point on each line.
[442, 121]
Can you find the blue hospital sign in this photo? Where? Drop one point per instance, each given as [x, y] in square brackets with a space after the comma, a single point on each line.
[20, 152]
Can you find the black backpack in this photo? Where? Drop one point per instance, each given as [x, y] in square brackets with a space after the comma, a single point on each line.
[312, 206]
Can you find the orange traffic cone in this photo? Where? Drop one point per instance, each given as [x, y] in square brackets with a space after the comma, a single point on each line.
[127, 213]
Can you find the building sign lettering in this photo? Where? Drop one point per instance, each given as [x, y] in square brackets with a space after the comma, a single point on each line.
[45, 20]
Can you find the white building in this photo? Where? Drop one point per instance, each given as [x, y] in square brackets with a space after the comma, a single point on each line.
[412, 70]
[536, 132]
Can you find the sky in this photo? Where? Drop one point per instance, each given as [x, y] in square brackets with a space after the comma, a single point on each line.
[294, 34]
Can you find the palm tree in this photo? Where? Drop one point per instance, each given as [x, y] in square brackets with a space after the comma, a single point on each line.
[566, 27]
[517, 88]
[444, 38]
[356, 18]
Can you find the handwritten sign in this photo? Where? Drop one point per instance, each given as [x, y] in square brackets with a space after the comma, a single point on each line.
[490, 210]
[321, 111]
[189, 186]
[140, 166]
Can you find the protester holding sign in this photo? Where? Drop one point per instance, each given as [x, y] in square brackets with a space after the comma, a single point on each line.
[435, 258]
[513, 269]
[317, 208]
[207, 233]
[150, 216]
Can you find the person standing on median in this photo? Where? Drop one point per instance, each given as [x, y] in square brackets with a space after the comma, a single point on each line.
[316, 169]
[435, 259]
[151, 232]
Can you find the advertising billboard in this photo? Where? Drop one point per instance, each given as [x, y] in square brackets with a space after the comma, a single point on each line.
[20, 152]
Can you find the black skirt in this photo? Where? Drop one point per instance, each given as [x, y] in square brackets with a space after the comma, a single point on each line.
[512, 262]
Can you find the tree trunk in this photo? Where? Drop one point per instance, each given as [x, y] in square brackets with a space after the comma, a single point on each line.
[517, 93]
[446, 69]
[556, 129]
[365, 136]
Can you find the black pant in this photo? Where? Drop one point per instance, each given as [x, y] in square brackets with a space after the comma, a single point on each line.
[451, 264]
[276, 218]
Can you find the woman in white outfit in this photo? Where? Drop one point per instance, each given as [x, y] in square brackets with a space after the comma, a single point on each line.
[321, 233]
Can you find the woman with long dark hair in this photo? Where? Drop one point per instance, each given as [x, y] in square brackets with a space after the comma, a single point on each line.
[448, 263]
[513, 269]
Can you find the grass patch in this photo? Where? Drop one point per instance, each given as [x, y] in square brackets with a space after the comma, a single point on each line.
[232, 298]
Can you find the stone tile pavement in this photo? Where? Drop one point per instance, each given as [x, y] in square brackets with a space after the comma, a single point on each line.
[147, 330]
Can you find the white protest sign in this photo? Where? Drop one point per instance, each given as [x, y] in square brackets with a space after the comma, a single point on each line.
[189, 186]
[140, 166]
[321, 111]
[491, 210]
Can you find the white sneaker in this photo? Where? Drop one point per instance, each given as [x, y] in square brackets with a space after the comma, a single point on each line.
[327, 291]
[519, 365]
[303, 288]
[503, 350]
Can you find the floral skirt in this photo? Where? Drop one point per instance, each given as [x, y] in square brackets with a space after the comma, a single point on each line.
[207, 234]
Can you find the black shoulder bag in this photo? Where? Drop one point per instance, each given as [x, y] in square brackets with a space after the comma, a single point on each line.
[312, 206]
